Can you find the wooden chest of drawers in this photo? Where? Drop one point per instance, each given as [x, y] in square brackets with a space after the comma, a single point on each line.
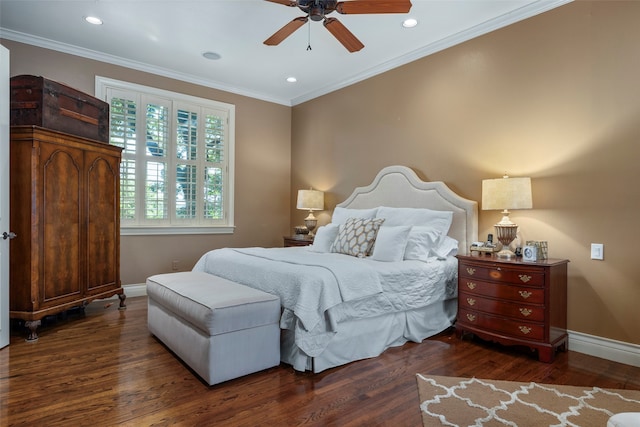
[513, 302]
[297, 240]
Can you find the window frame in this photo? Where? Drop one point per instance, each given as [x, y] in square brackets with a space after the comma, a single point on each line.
[226, 226]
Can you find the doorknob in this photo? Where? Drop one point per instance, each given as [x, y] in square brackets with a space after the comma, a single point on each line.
[9, 235]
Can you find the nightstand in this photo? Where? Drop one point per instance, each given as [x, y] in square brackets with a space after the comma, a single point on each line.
[512, 302]
[298, 240]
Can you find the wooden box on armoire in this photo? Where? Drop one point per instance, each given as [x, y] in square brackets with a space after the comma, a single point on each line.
[38, 101]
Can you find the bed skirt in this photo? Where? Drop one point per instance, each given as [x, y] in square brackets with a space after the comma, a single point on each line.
[365, 338]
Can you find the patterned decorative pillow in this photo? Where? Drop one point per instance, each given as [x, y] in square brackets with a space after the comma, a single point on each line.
[357, 236]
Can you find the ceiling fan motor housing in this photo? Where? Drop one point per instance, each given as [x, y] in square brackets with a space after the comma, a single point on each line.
[317, 9]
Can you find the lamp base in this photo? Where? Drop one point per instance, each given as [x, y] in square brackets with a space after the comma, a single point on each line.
[506, 253]
[506, 233]
[311, 222]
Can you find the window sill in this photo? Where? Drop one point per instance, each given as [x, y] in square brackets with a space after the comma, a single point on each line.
[170, 231]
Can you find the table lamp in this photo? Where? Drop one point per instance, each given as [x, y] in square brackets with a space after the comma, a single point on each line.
[311, 200]
[503, 194]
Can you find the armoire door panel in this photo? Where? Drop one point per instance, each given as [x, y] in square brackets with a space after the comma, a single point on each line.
[103, 225]
[61, 222]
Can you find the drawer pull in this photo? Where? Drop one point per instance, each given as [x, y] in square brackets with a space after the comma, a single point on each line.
[525, 278]
[471, 271]
[525, 294]
[471, 301]
[526, 311]
[471, 317]
[524, 329]
[471, 285]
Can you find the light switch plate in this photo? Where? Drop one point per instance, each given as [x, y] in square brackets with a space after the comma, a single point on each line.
[597, 251]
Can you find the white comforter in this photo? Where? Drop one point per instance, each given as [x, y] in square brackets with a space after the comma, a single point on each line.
[318, 290]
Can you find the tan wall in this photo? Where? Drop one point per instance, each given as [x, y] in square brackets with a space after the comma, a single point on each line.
[262, 178]
[555, 97]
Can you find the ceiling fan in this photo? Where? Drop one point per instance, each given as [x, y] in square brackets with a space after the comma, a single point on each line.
[318, 10]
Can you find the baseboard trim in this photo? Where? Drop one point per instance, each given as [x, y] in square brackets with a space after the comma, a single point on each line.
[135, 290]
[605, 348]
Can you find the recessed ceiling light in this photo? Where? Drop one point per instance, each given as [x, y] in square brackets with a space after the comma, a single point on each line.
[409, 23]
[93, 20]
[292, 79]
[212, 55]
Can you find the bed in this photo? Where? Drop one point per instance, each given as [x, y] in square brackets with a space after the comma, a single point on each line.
[382, 273]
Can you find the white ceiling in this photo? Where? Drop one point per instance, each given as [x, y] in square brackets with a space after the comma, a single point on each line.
[169, 37]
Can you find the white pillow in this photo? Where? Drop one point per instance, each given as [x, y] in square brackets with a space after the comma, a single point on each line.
[325, 236]
[341, 215]
[438, 220]
[421, 241]
[424, 242]
[391, 243]
[448, 247]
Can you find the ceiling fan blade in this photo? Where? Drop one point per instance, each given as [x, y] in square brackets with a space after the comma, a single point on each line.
[285, 31]
[291, 3]
[373, 6]
[343, 35]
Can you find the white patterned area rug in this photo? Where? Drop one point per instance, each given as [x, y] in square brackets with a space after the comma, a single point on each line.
[451, 401]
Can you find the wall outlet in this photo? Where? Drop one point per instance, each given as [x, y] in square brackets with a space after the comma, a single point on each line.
[597, 251]
[175, 265]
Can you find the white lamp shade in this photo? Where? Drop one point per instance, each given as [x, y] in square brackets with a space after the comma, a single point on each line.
[311, 200]
[506, 193]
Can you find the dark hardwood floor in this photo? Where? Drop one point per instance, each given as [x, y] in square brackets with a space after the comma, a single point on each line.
[102, 368]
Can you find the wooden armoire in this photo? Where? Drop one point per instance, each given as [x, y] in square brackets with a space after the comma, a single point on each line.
[65, 211]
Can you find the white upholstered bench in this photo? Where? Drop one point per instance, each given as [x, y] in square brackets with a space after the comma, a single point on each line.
[221, 329]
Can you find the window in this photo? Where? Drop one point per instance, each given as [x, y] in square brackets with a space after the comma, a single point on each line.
[176, 175]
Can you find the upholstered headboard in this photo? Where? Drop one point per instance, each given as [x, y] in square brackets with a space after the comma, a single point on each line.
[399, 186]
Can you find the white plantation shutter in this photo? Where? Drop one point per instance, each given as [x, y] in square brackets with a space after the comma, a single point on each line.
[177, 170]
[214, 163]
[122, 132]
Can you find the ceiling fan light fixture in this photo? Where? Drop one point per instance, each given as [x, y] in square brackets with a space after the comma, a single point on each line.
[409, 23]
[316, 12]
